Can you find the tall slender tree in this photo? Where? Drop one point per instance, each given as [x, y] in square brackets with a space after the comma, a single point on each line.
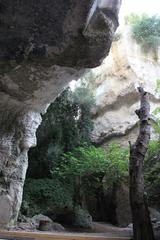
[142, 226]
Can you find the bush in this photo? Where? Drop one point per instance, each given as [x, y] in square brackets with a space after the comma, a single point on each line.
[152, 162]
[133, 18]
[152, 173]
[118, 158]
[146, 31]
[88, 166]
[66, 125]
[47, 196]
[81, 218]
[83, 161]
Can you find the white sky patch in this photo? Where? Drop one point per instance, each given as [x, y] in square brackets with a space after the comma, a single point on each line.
[72, 85]
[151, 7]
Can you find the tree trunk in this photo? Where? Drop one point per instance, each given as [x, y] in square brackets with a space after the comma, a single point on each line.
[142, 227]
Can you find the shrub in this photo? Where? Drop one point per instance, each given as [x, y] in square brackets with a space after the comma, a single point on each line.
[131, 19]
[47, 196]
[66, 125]
[152, 173]
[118, 158]
[146, 31]
[152, 162]
[86, 162]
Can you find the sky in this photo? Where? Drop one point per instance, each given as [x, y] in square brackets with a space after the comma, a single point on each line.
[150, 7]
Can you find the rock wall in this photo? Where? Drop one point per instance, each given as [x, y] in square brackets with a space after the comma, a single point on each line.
[126, 68]
[43, 46]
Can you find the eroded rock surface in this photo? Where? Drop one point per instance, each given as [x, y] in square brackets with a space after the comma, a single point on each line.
[43, 45]
[62, 32]
[126, 68]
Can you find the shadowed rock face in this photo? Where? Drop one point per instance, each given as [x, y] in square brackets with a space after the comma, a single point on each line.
[44, 45]
[56, 32]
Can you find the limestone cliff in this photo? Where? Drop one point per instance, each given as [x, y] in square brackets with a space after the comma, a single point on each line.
[43, 45]
[117, 79]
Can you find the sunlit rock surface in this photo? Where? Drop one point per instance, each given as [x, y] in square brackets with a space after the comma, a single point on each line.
[126, 68]
[43, 46]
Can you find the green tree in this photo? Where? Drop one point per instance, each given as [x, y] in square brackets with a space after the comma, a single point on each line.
[86, 165]
[47, 196]
[156, 113]
[131, 19]
[66, 125]
[152, 162]
[146, 31]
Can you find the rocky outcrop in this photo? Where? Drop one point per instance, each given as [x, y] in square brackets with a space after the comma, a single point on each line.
[44, 223]
[77, 218]
[37, 223]
[117, 79]
[43, 45]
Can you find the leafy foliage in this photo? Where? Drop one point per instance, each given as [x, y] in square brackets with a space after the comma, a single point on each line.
[86, 161]
[66, 124]
[133, 18]
[47, 196]
[146, 31]
[83, 161]
[152, 162]
[118, 158]
[153, 148]
[152, 173]
[158, 87]
[156, 113]
[64, 166]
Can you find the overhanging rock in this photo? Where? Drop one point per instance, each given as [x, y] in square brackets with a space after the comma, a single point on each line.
[43, 45]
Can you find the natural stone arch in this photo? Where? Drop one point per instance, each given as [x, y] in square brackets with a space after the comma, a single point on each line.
[43, 45]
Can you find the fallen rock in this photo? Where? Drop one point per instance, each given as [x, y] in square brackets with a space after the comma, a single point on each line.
[57, 227]
[154, 214]
[40, 217]
[130, 226]
[25, 226]
[82, 218]
[44, 223]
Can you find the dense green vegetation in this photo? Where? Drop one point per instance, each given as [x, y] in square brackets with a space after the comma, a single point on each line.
[152, 174]
[47, 196]
[145, 30]
[152, 164]
[65, 166]
[66, 125]
[67, 174]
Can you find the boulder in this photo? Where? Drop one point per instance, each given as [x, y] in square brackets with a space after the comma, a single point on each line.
[154, 214]
[44, 223]
[130, 226]
[81, 218]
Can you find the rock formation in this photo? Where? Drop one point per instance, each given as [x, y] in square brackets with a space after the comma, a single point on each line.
[43, 45]
[117, 79]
